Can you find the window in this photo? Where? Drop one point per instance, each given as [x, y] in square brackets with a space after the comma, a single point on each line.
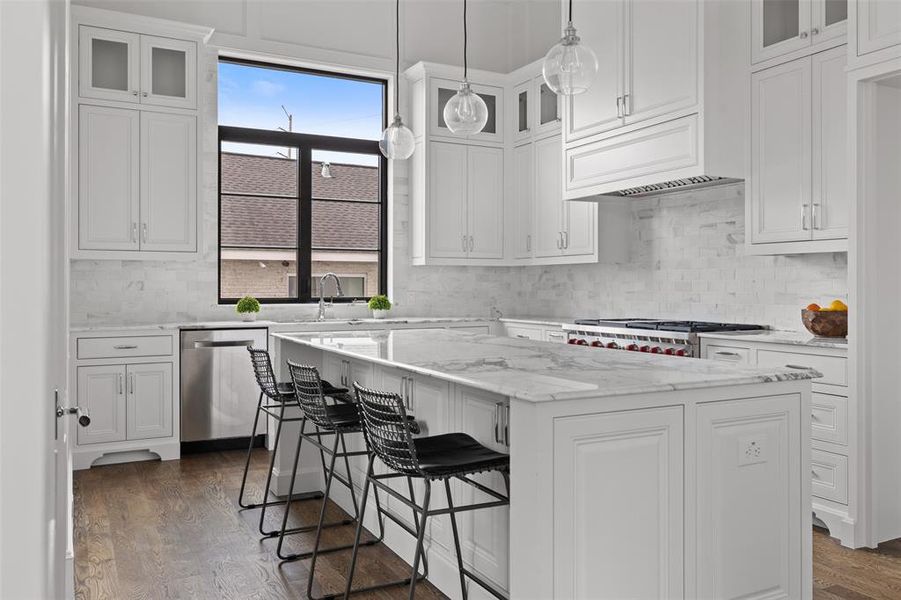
[302, 184]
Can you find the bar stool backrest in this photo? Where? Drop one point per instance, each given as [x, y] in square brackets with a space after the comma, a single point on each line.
[308, 389]
[387, 429]
[262, 370]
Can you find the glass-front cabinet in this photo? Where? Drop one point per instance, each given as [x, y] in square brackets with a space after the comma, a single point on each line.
[442, 90]
[129, 67]
[536, 110]
[779, 27]
[522, 117]
[547, 108]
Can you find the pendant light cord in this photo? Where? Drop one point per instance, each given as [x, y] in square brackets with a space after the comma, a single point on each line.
[397, 57]
[570, 11]
[465, 41]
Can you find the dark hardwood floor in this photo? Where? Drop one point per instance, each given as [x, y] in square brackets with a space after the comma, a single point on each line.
[172, 530]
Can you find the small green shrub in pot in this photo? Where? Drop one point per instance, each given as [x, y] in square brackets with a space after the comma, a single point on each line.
[379, 305]
[248, 307]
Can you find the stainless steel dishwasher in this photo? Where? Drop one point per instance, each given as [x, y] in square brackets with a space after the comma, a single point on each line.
[218, 390]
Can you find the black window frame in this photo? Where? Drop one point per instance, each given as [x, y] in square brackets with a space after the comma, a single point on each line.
[304, 144]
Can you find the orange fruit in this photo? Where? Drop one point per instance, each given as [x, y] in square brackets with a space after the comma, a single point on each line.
[813, 306]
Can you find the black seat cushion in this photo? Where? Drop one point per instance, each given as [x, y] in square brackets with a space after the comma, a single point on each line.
[343, 415]
[339, 393]
[456, 453]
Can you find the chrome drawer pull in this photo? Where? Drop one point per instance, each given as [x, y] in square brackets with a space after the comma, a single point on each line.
[125, 346]
[724, 353]
[223, 344]
[801, 367]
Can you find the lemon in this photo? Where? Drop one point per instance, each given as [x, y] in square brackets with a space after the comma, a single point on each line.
[838, 306]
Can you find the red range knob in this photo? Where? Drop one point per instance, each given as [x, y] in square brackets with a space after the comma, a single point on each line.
[571, 341]
[612, 345]
[632, 347]
[645, 348]
[680, 352]
[669, 351]
[581, 342]
[656, 350]
[597, 344]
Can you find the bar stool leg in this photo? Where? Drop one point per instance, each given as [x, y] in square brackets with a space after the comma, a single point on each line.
[353, 556]
[266, 492]
[453, 520]
[328, 487]
[419, 541]
[253, 435]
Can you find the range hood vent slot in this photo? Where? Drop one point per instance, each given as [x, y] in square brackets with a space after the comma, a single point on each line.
[674, 186]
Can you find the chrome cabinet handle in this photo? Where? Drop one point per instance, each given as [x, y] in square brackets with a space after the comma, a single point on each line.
[497, 422]
[813, 417]
[221, 344]
[471, 244]
[804, 217]
[565, 240]
[506, 413]
[120, 384]
[125, 346]
[627, 105]
[816, 215]
[559, 240]
[131, 384]
[463, 238]
[134, 92]
[523, 337]
[619, 107]
[799, 367]
[410, 393]
[725, 353]
[803, 35]
[134, 232]
[528, 243]
[555, 334]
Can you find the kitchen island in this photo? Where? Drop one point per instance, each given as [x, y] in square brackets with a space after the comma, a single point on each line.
[632, 475]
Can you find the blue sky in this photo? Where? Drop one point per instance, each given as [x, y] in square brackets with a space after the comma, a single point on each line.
[252, 96]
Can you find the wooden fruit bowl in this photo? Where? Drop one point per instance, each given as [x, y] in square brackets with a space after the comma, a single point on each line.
[826, 323]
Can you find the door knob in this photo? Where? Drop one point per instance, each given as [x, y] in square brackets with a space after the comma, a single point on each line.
[83, 418]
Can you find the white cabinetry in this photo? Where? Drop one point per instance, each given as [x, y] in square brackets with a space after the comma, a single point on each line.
[127, 384]
[798, 184]
[650, 118]
[545, 331]
[792, 27]
[135, 185]
[832, 418]
[875, 30]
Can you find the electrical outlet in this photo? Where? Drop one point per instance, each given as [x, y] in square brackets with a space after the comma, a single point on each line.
[752, 450]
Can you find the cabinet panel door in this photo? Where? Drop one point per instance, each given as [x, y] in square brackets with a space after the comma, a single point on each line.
[781, 153]
[748, 451]
[580, 228]
[108, 176]
[521, 203]
[442, 90]
[168, 72]
[878, 25]
[601, 25]
[829, 20]
[484, 534]
[149, 401]
[108, 64]
[168, 182]
[447, 200]
[485, 204]
[619, 478]
[101, 392]
[548, 108]
[548, 227]
[830, 151]
[522, 110]
[778, 27]
[661, 58]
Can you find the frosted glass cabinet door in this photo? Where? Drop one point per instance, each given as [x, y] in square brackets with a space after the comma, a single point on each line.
[547, 108]
[442, 90]
[522, 117]
[109, 64]
[779, 27]
[168, 72]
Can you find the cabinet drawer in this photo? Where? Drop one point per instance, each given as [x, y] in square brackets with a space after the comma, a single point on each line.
[833, 368]
[829, 418]
[523, 332]
[116, 347]
[829, 476]
[733, 354]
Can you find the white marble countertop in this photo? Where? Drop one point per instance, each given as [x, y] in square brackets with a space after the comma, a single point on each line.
[536, 371]
[793, 338]
[533, 320]
[299, 324]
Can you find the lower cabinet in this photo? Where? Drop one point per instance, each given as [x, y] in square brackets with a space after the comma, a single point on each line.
[125, 402]
[530, 330]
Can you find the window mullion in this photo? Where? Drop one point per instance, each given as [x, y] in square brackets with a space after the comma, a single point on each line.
[304, 222]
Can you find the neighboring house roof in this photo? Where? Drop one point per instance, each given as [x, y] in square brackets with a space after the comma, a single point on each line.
[263, 222]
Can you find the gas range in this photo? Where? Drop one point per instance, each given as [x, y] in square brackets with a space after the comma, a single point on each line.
[655, 336]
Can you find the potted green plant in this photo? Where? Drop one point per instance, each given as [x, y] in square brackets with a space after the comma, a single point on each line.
[379, 305]
[248, 307]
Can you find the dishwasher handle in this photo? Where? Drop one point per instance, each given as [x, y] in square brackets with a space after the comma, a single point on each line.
[223, 343]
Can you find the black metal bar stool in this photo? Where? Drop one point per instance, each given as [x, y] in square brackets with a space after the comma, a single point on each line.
[433, 458]
[277, 396]
[336, 420]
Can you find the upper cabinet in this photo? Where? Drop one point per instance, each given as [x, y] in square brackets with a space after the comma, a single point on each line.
[798, 189]
[129, 67]
[780, 27]
[535, 109]
[442, 90]
[878, 30]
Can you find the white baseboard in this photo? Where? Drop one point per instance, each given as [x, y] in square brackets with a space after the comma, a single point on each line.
[841, 526]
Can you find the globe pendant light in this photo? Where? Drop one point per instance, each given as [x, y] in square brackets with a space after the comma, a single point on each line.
[397, 142]
[570, 67]
[466, 113]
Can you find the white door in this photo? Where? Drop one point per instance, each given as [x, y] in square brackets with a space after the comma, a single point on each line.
[522, 186]
[442, 90]
[580, 228]
[548, 108]
[548, 229]
[108, 178]
[661, 57]
[109, 64]
[829, 19]
[830, 193]
[35, 546]
[149, 405]
[168, 72]
[601, 25]
[168, 182]
[484, 534]
[447, 201]
[629, 467]
[781, 153]
[878, 25]
[485, 204]
[779, 27]
[101, 393]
